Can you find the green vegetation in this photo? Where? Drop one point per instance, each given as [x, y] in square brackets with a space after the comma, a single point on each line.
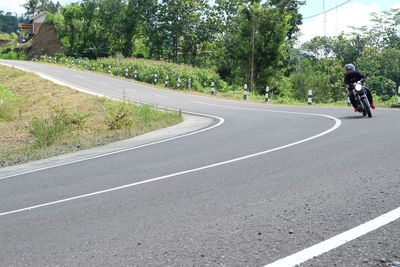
[7, 104]
[13, 55]
[229, 42]
[39, 119]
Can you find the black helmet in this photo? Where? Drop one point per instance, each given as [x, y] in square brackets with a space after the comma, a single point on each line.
[350, 67]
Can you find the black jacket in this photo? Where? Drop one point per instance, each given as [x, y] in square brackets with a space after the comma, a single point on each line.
[352, 77]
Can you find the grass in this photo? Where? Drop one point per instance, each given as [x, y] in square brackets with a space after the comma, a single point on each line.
[42, 119]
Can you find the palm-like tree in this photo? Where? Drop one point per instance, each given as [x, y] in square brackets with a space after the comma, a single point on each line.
[32, 7]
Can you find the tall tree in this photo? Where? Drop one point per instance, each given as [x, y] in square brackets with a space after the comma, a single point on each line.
[32, 7]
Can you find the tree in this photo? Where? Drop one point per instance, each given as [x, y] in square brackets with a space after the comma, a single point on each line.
[32, 7]
[88, 15]
[270, 31]
[72, 13]
[8, 22]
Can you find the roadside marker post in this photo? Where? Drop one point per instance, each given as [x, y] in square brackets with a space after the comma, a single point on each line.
[109, 69]
[136, 74]
[212, 88]
[155, 78]
[126, 73]
[93, 67]
[166, 81]
[190, 84]
[179, 82]
[348, 101]
[266, 94]
[398, 100]
[309, 97]
[245, 92]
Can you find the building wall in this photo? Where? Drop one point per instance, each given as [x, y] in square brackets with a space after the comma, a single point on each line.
[36, 27]
[37, 22]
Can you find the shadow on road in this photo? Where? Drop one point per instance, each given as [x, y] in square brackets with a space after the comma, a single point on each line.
[353, 117]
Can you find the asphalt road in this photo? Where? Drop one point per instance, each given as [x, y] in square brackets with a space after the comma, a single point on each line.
[268, 182]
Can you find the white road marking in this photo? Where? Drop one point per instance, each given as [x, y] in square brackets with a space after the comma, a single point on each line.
[337, 240]
[291, 260]
[72, 86]
[337, 124]
[161, 96]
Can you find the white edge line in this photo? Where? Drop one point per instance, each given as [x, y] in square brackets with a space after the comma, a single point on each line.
[337, 241]
[291, 260]
[337, 124]
[62, 83]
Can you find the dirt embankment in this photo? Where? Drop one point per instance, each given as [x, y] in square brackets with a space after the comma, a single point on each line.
[44, 42]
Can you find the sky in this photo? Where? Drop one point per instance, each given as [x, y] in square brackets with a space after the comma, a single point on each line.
[355, 13]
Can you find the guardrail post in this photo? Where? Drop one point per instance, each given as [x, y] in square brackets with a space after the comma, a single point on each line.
[245, 92]
[309, 97]
[266, 94]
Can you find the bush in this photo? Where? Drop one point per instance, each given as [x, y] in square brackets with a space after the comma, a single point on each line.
[119, 115]
[383, 87]
[48, 131]
[199, 78]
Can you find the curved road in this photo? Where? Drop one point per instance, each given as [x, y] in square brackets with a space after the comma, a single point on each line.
[265, 183]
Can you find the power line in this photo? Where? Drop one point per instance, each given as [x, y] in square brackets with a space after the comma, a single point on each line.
[327, 10]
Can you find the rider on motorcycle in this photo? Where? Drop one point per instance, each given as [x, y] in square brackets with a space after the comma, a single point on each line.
[351, 77]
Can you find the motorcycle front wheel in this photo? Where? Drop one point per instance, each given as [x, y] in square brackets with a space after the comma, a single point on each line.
[367, 108]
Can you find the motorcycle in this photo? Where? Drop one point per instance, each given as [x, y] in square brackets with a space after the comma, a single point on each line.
[361, 99]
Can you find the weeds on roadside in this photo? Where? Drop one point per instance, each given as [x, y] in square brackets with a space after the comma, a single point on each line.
[7, 105]
[119, 115]
[47, 131]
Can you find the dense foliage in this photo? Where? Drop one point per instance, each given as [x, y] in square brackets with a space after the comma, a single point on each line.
[8, 22]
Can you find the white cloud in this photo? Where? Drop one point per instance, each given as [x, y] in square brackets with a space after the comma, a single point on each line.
[12, 6]
[338, 21]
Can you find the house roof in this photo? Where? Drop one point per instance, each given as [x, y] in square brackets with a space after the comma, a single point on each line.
[38, 15]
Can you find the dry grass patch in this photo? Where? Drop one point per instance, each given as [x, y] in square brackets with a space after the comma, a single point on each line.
[39, 119]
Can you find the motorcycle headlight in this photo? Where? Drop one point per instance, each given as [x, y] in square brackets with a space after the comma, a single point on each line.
[358, 86]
